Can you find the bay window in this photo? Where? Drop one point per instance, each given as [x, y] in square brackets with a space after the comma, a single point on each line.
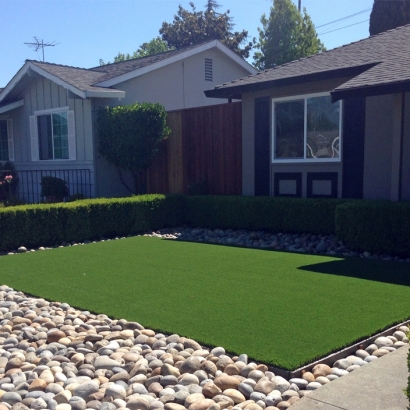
[306, 129]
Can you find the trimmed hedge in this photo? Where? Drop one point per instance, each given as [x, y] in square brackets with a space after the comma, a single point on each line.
[375, 226]
[50, 224]
[293, 215]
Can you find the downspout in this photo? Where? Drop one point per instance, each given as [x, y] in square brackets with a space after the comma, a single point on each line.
[403, 103]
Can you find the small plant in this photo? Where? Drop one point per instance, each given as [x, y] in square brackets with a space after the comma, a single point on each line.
[8, 181]
[53, 189]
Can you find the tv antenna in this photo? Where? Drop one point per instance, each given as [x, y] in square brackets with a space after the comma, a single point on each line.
[37, 44]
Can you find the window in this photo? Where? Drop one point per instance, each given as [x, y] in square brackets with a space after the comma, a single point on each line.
[208, 69]
[52, 135]
[306, 129]
[6, 140]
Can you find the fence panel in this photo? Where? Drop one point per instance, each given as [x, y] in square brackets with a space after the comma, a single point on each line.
[204, 152]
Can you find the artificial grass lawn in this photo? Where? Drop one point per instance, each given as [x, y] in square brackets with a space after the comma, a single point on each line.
[280, 308]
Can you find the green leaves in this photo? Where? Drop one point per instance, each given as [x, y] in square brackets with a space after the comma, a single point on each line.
[285, 36]
[128, 136]
[193, 27]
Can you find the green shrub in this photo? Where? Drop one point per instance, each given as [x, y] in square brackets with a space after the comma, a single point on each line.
[291, 215]
[53, 188]
[51, 224]
[375, 226]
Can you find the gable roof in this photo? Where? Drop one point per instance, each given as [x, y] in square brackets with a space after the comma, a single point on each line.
[116, 73]
[379, 64]
[99, 81]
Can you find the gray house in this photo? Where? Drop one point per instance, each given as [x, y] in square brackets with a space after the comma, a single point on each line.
[335, 124]
[47, 123]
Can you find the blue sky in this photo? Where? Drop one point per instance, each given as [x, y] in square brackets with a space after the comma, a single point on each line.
[86, 30]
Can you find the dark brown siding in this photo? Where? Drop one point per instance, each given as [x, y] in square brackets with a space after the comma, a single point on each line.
[204, 145]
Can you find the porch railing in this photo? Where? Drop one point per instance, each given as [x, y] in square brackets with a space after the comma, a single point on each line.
[29, 183]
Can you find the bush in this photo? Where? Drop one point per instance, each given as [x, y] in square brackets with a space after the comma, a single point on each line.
[375, 226]
[51, 224]
[53, 189]
[293, 215]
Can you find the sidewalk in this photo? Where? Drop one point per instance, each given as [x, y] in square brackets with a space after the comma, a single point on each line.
[377, 386]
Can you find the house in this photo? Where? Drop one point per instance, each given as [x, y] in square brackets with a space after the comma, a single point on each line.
[47, 111]
[335, 124]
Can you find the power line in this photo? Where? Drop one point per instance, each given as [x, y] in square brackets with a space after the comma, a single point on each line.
[350, 25]
[344, 18]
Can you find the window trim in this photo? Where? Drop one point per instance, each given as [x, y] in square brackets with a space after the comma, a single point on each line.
[10, 138]
[34, 137]
[305, 160]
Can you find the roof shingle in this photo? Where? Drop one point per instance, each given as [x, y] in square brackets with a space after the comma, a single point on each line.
[384, 59]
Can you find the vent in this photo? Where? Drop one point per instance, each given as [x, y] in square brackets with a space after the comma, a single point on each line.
[208, 69]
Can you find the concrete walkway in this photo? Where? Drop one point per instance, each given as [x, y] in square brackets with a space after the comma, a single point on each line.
[377, 386]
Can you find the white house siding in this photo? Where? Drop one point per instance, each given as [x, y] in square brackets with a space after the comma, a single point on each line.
[43, 94]
[248, 137]
[182, 84]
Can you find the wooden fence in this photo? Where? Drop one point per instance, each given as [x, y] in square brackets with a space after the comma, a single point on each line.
[202, 154]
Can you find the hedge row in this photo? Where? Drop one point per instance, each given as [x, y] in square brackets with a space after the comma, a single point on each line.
[291, 215]
[50, 224]
[375, 226]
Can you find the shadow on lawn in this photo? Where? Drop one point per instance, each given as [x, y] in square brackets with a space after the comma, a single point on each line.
[396, 273]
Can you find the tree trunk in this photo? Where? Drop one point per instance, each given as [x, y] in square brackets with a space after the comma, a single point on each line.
[140, 178]
[123, 182]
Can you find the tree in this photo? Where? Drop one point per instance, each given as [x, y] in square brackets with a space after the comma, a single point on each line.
[129, 136]
[285, 36]
[389, 14]
[193, 27]
[155, 46]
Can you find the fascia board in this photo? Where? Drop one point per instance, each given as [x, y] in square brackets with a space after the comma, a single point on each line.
[57, 80]
[239, 60]
[23, 70]
[179, 57]
[11, 106]
[105, 94]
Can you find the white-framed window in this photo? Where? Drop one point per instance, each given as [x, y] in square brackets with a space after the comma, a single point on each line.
[306, 128]
[6, 140]
[53, 135]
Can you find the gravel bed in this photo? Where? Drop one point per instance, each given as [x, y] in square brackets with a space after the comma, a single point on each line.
[302, 243]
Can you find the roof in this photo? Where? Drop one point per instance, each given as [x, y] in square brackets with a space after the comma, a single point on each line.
[100, 81]
[379, 64]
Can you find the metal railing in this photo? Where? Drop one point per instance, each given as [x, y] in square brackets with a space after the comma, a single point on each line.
[28, 188]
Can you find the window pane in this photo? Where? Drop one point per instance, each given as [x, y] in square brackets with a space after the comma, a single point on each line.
[60, 135]
[45, 136]
[4, 149]
[323, 137]
[289, 129]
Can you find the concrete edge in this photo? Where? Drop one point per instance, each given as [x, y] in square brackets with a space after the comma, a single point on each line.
[333, 357]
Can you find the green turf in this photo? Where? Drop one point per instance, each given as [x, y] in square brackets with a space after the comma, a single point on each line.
[280, 308]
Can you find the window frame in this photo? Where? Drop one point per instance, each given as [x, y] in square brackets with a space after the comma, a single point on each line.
[304, 160]
[35, 137]
[10, 139]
